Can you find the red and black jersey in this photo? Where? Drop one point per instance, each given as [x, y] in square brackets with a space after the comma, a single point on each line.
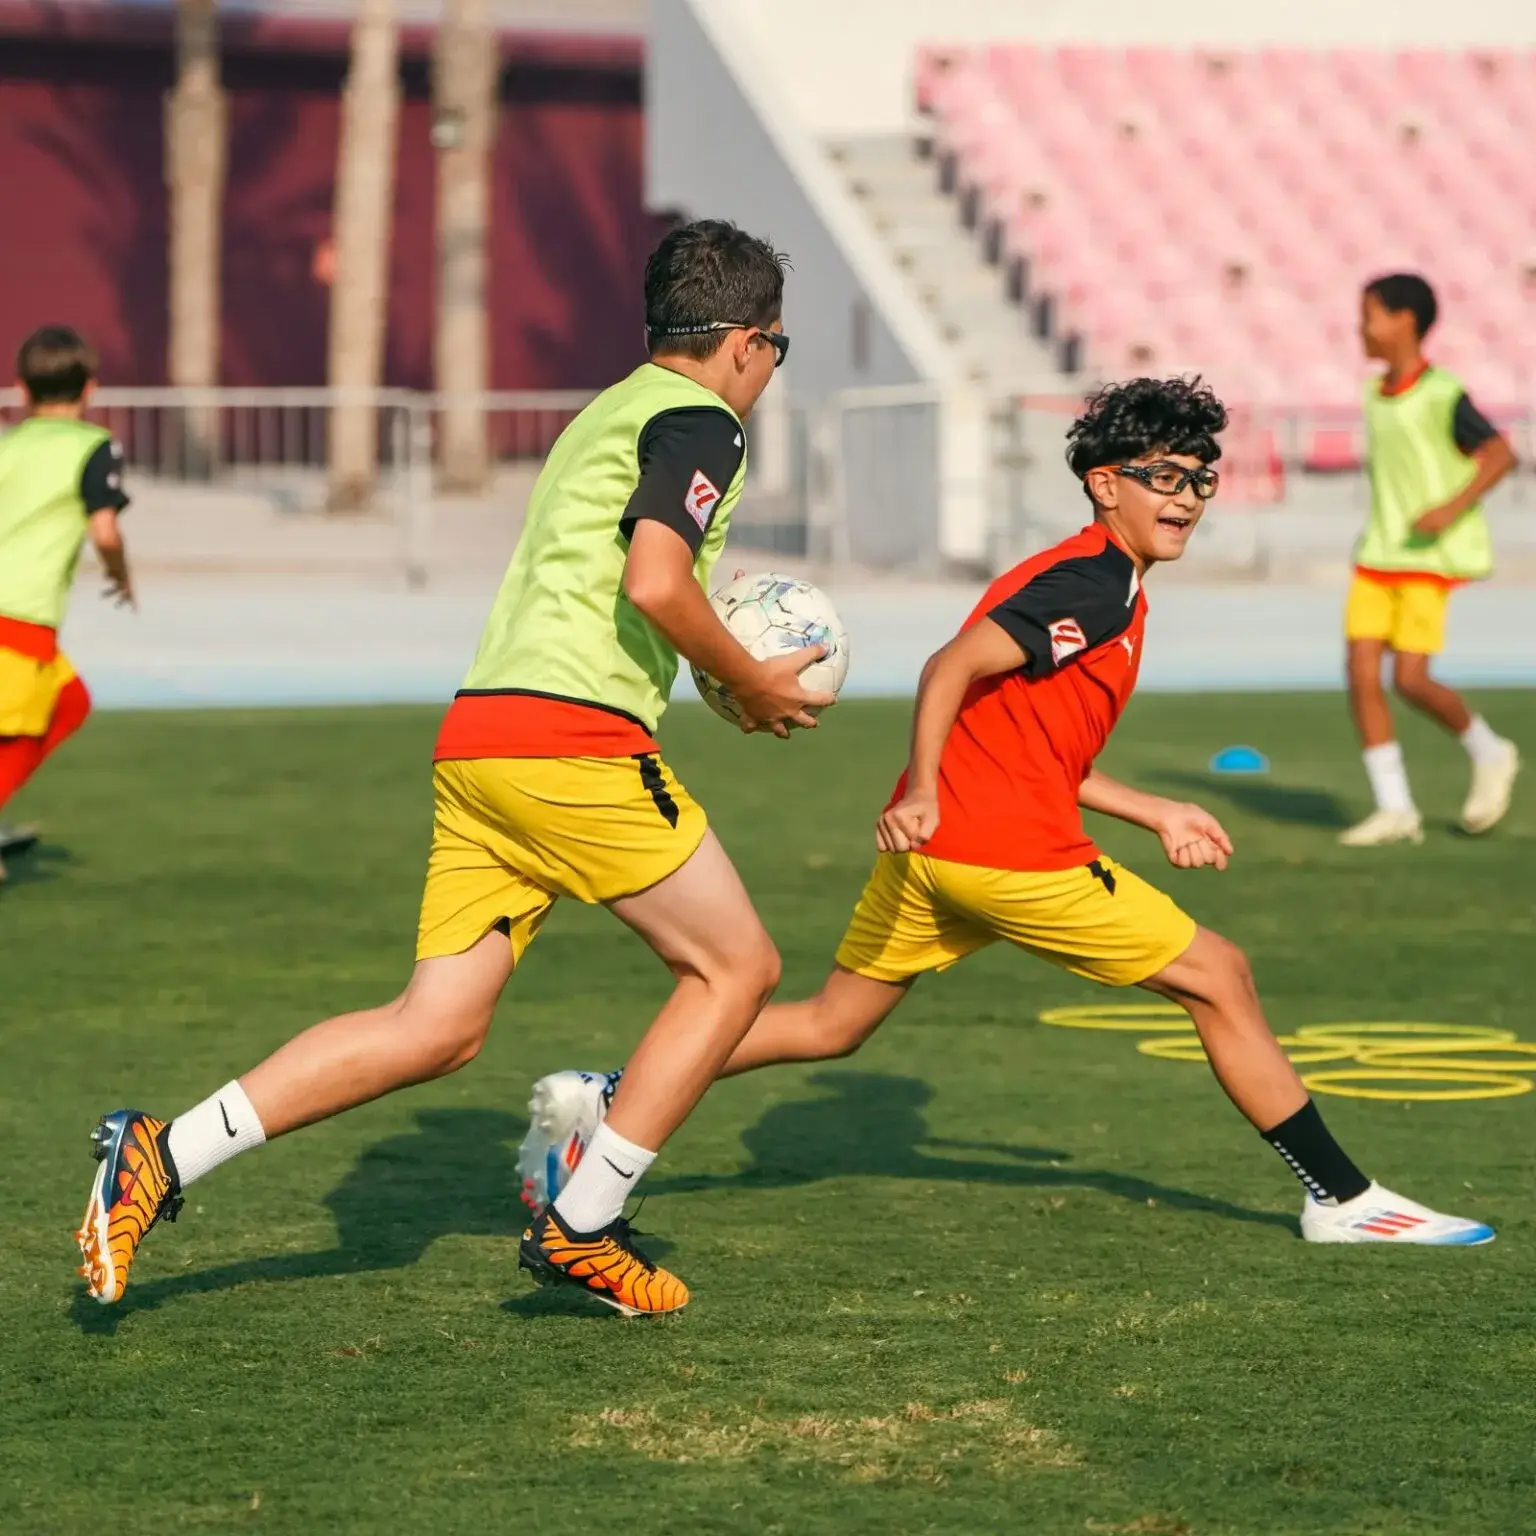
[1024, 741]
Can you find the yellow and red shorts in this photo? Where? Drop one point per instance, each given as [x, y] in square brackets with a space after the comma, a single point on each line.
[1100, 921]
[32, 676]
[1406, 612]
[511, 835]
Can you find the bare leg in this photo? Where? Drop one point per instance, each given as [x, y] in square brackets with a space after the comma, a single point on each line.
[1367, 698]
[434, 1027]
[1212, 981]
[1414, 685]
[835, 1022]
[702, 924]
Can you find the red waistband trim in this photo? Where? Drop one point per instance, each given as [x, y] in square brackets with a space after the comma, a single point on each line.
[36, 641]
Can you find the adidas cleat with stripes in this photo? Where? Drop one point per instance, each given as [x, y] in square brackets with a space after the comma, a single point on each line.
[566, 1108]
[605, 1264]
[1379, 1216]
[135, 1186]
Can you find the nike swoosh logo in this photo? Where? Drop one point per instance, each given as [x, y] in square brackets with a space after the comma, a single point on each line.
[607, 1160]
[227, 1126]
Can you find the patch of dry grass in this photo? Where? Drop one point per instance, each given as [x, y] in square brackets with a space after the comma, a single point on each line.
[917, 1443]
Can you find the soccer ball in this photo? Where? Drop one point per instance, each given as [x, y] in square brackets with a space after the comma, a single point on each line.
[773, 614]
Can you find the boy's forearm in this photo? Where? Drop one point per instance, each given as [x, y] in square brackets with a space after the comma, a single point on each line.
[1493, 461]
[1099, 792]
[940, 693]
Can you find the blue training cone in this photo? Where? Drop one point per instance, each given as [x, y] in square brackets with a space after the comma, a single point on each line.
[1239, 760]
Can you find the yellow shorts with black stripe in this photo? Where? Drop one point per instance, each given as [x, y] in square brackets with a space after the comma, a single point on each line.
[1408, 615]
[512, 834]
[29, 690]
[1100, 921]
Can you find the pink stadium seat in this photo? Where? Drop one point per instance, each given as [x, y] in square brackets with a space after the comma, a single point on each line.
[1301, 174]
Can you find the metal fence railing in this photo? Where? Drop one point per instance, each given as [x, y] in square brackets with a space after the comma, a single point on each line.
[914, 479]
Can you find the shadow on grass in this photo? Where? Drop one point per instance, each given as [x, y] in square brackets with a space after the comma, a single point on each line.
[1284, 803]
[872, 1125]
[456, 1175]
[34, 864]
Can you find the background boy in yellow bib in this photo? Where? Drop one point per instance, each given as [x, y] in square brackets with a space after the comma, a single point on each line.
[1432, 457]
[60, 483]
[548, 783]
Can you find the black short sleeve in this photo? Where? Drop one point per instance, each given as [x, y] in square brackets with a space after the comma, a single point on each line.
[101, 481]
[1070, 607]
[1471, 428]
[688, 459]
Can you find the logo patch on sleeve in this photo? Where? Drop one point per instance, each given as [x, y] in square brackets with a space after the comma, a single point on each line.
[1067, 639]
[702, 497]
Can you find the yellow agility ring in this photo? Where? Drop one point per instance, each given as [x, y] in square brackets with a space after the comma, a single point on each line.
[1451, 1035]
[1480, 1055]
[1349, 1083]
[1301, 1051]
[1136, 1018]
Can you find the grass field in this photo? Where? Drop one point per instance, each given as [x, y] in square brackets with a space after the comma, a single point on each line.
[989, 1276]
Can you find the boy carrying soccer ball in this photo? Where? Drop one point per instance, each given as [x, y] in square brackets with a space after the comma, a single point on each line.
[983, 837]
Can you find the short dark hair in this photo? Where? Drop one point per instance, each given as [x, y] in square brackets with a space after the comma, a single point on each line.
[704, 273]
[1398, 291]
[55, 364]
[1128, 421]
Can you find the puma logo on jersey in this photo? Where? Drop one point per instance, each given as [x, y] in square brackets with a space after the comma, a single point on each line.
[1067, 639]
[701, 498]
[1130, 646]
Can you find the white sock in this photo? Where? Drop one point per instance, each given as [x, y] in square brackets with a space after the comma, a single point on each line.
[1388, 776]
[1483, 743]
[604, 1179]
[213, 1132]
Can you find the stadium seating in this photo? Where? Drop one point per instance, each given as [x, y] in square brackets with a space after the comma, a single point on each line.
[1220, 210]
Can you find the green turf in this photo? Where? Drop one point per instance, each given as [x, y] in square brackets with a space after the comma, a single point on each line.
[990, 1276]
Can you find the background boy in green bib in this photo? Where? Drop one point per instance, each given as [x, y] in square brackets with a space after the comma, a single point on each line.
[61, 483]
[1432, 457]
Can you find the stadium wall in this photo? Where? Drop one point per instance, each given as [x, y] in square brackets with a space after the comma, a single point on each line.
[81, 105]
[846, 67]
[720, 142]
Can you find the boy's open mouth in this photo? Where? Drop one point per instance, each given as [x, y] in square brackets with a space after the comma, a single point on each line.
[1175, 520]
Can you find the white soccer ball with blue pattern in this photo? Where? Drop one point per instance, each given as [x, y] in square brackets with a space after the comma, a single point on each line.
[770, 615]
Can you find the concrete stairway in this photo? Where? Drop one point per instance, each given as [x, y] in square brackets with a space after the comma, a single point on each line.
[898, 188]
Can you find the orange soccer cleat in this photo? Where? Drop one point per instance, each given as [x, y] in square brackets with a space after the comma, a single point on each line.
[136, 1186]
[606, 1264]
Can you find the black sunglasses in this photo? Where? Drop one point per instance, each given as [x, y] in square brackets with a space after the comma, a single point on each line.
[1168, 479]
[775, 339]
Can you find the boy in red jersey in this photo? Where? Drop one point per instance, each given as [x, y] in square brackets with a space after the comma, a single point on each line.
[983, 837]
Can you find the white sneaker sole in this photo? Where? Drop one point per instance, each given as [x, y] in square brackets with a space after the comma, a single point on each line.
[554, 1112]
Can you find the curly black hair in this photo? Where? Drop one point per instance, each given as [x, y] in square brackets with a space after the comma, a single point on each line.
[1129, 421]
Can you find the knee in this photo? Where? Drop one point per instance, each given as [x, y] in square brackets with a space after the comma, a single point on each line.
[1228, 973]
[444, 1040]
[1410, 680]
[751, 973]
[765, 970]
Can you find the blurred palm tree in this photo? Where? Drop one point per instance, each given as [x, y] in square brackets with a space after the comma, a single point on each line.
[365, 189]
[465, 70]
[196, 151]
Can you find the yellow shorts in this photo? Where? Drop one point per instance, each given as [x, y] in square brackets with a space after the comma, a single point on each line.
[1408, 615]
[919, 914]
[511, 834]
[29, 690]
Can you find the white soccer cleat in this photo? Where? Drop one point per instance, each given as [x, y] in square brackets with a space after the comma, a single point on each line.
[565, 1110]
[1379, 1216]
[1382, 827]
[1493, 782]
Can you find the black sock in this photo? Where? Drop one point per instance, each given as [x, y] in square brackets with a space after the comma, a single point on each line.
[1315, 1157]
